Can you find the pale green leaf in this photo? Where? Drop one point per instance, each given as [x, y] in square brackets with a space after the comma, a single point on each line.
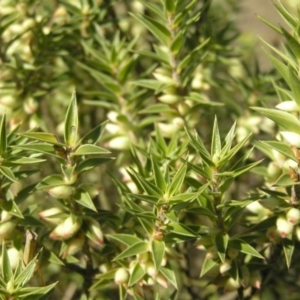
[136, 274]
[42, 136]
[170, 275]
[158, 252]
[208, 264]
[71, 122]
[132, 250]
[89, 149]
[127, 239]
[281, 118]
[83, 198]
[6, 270]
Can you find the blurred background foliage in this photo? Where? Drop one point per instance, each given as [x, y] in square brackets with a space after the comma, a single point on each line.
[156, 71]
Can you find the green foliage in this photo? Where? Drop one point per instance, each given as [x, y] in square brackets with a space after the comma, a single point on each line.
[147, 159]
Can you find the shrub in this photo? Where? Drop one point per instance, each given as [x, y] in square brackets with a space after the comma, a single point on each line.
[197, 193]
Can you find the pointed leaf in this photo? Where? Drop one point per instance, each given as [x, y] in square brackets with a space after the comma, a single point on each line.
[177, 181]
[50, 181]
[6, 270]
[170, 275]
[83, 198]
[157, 29]
[127, 239]
[221, 243]
[42, 136]
[281, 147]
[216, 140]
[89, 149]
[244, 247]
[158, 176]
[208, 264]
[158, 252]
[91, 163]
[288, 249]
[8, 173]
[134, 249]
[3, 135]
[283, 119]
[94, 135]
[294, 84]
[292, 42]
[136, 275]
[71, 122]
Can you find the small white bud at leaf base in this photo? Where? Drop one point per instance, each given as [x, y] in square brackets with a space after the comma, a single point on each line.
[162, 280]
[150, 269]
[5, 216]
[225, 266]
[291, 137]
[284, 227]
[13, 256]
[62, 192]
[95, 232]
[288, 106]
[53, 216]
[274, 171]
[73, 246]
[67, 229]
[121, 276]
[255, 279]
[10, 286]
[6, 229]
[231, 285]
[169, 99]
[293, 216]
[119, 143]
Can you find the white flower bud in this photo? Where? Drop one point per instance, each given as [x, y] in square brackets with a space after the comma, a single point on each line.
[62, 192]
[255, 279]
[225, 266]
[6, 229]
[291, 137]
[293, 216]
[284, 227]
[67, 229]
[288, 106]
[121, 276]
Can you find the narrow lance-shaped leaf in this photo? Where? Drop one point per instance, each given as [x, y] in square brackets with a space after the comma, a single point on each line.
[94, 135]
[3, 137]
[5, 265]
[221, 243]
[293, 43]
[156, 28]
[177, 181]
[283, 119]
[158, 176]
[134, 249]
[216, 140]
[158, 252]
[295, 86]
[71, 122]
[170, 275]
[137, 274]
[288, 249]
